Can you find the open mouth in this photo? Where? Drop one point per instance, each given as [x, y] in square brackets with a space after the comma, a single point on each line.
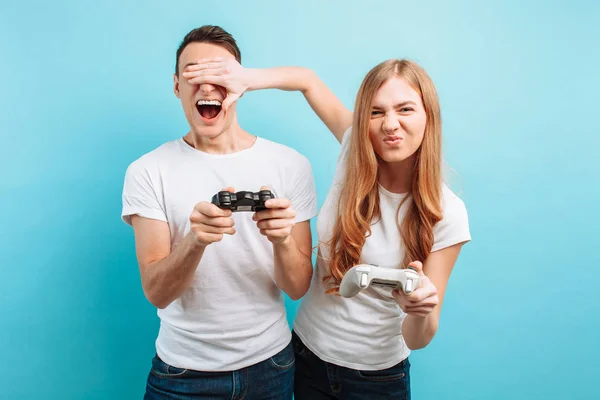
[208, 109]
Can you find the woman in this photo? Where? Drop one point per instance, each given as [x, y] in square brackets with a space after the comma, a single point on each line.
[387, 206]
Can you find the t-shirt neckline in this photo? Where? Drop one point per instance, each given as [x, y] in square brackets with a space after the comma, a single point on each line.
[199, 153]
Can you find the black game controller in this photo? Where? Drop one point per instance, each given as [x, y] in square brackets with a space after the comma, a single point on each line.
[242, 201]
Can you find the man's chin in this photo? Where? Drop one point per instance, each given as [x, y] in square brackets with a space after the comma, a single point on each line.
[209, 132]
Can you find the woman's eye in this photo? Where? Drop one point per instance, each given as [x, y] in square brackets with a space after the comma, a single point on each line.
[375, 112]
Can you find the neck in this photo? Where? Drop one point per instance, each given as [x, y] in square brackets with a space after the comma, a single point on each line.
[396, 177]
[232, 140]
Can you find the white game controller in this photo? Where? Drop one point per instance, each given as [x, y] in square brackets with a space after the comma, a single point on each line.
[362, 276]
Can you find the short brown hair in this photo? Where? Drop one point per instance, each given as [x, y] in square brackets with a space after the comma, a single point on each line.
[209, 34]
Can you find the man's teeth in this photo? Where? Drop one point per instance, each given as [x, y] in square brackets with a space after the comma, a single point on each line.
[208, 103]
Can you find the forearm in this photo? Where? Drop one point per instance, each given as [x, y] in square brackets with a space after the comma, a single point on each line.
[293, 269]
[165, 280]
[419, 331]
[282, 78]
[321, 99]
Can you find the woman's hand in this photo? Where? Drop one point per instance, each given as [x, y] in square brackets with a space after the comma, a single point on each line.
[422, 301]
[225, 72]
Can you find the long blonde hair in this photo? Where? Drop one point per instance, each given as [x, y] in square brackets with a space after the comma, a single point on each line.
[358, 207]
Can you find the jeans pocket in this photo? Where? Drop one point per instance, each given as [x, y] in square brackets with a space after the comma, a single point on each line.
[398, 371]
[285, 359]
[163, 370]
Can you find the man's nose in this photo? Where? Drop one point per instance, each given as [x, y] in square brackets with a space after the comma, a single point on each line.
[207, 88]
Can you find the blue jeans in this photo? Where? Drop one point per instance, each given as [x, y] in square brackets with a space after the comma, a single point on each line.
[318, 380]
[272, 379]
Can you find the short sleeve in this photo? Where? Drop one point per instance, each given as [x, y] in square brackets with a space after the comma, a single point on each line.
[454, 226]
[302, 191]
[345, 145]
[140, 196]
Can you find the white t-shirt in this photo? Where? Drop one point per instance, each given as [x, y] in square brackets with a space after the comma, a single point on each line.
[233, 315]
[365, 332]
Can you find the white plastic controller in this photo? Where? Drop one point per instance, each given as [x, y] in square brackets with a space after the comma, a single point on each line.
[362, 276]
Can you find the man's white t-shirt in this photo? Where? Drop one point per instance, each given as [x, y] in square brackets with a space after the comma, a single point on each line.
[233, 314]
[365, 332]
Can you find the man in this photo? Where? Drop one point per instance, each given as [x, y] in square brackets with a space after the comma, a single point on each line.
[216, 276]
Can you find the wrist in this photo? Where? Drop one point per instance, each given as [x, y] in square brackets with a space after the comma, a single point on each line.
[195, 243]
[285, 243]
[254, 79]
[424, 324]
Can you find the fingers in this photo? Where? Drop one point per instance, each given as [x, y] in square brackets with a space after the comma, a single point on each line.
[215, 229]
[422, 308]
[420, 295]
[276, 235]
[218, 71]
[273, 224]
[212, 79]
[278, 203]
[419, 311]
[430, 301]
[229, 100]
[275, 213]
[217, 222]
[418, 266]
[228, 189]
[210, 210]
[206, 63]
[207, 69]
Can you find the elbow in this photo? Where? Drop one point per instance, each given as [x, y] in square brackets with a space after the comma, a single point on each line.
[300, 287]
[417, 344]
[298, 292]
[297, 295]
[155, 298]
[161, 305]
[310, 81]
[157, 302]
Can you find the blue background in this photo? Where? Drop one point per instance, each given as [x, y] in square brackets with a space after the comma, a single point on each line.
[86, 88]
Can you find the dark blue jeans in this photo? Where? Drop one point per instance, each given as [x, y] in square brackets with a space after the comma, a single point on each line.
[272, 379]
[317, 380]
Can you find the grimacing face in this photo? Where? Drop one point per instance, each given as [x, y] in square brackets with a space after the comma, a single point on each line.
[398, 120]
[202, 103]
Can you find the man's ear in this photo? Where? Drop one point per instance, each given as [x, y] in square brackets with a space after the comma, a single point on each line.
[176, 85]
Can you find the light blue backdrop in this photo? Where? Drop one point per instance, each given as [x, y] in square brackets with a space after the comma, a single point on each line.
[86, 88]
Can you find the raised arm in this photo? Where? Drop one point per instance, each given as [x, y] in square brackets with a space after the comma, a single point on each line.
[236, 79]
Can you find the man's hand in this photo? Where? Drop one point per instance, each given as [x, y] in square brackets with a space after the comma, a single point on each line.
[226, 72]
[209, 223]
[423, 300]
[277, 221]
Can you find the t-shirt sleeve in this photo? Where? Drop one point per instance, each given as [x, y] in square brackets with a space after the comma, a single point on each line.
[302, 191]
[345, 149]
[140, 196]
[454, 226]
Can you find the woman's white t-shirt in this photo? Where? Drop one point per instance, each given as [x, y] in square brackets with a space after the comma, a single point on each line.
[365, 332]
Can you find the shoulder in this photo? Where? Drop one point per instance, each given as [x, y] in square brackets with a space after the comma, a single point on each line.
[154, 159]
[454, 226]
[285, 155]
[451, 203]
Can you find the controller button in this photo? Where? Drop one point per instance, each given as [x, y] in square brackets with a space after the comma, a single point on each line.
[363, 280]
